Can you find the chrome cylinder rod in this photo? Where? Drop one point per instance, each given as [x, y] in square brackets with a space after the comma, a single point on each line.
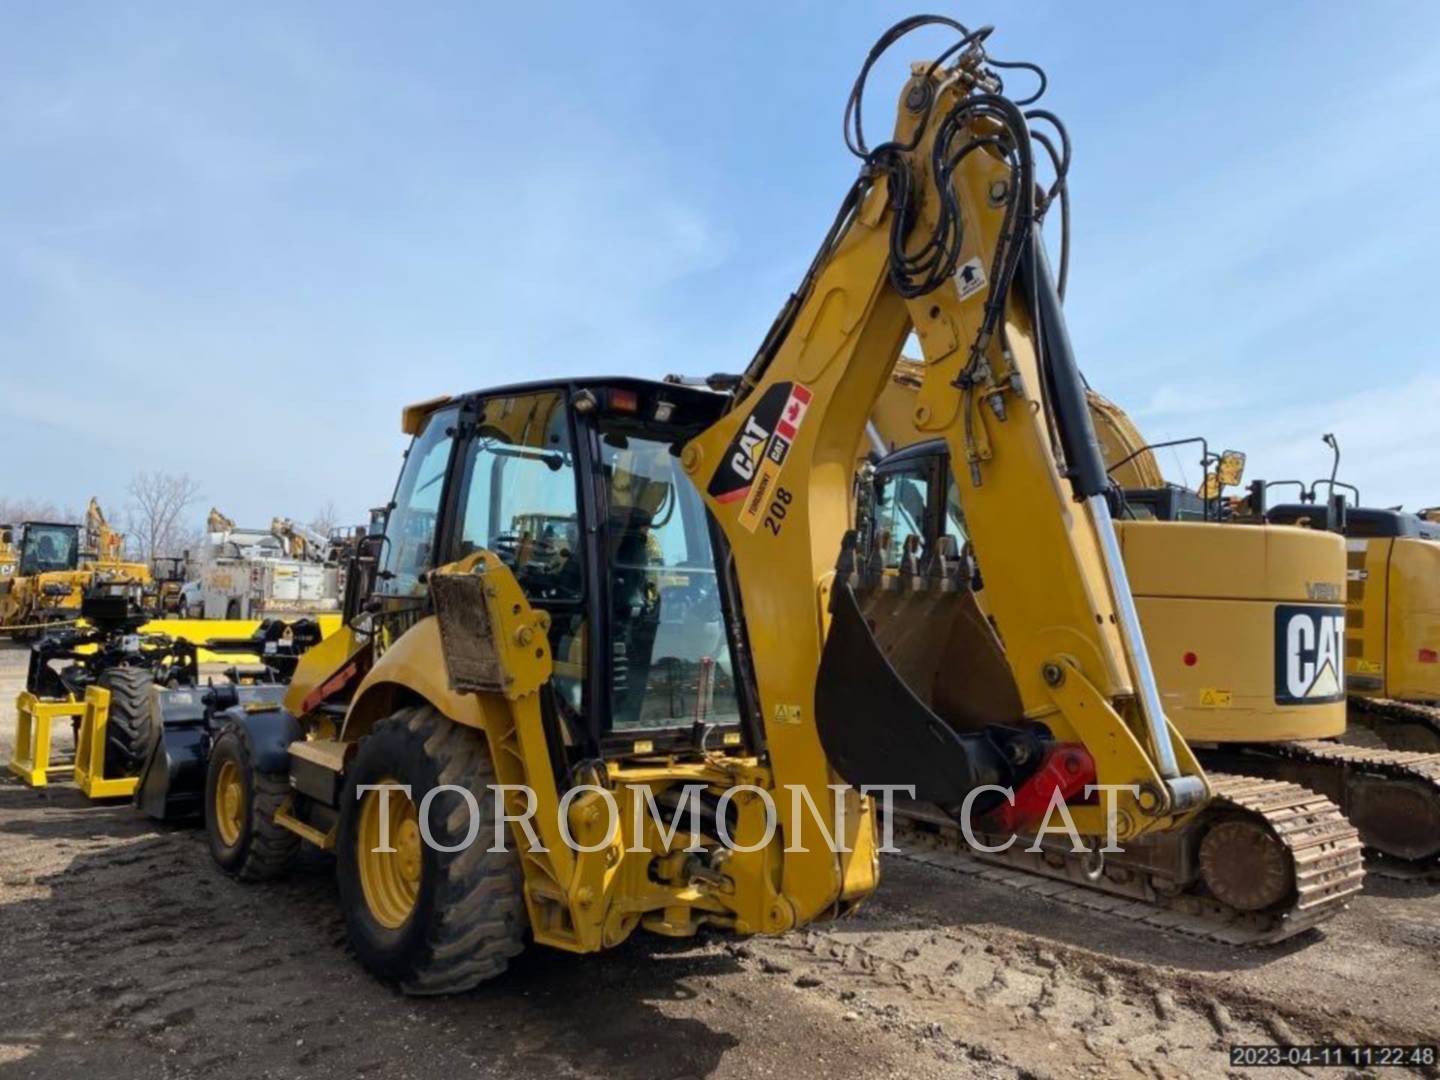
[1133, 638]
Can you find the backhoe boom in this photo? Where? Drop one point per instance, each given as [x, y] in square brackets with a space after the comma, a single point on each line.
[998, 380]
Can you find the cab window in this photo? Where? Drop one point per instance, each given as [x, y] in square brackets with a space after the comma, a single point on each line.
[410, 531]
[48, 548]
[671, 662]
[954, 514]
[519, 500]
[900, 513]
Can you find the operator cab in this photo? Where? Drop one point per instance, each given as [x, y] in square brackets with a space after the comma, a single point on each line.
[168, 568]
[1169, 503]
[578, 488]
[48, 548]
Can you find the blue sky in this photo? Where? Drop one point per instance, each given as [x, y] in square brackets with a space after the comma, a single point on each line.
[235, 239]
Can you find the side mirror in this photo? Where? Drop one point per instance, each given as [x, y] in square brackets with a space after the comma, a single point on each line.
[1231, 469]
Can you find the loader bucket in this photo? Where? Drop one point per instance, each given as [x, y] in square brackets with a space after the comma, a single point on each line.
[172, 781]
[877, 731]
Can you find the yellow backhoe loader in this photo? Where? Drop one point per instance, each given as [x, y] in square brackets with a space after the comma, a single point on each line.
[1244, 618]
[168, 574]
[590, 588]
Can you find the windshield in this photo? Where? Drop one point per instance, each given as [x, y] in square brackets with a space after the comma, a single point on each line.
[955, 514]
[899, 514]
[672, 663]
[520, 500]
[410, 526]
[50, 547]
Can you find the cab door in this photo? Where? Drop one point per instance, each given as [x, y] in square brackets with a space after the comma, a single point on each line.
[516, 493]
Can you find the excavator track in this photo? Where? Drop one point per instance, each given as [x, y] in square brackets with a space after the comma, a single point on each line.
[1391, 796]
[1400, 725]
[1320, 849]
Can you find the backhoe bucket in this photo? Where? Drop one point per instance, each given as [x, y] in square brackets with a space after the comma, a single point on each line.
[929, 635]
[877, 731]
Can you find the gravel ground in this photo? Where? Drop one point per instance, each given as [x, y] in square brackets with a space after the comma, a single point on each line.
[124, 952]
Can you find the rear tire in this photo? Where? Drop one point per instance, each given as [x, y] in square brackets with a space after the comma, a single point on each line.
[129, 729]
[240, 805]
[436, 922]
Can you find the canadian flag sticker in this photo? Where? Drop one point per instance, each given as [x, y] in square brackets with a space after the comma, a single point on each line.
[794, 411]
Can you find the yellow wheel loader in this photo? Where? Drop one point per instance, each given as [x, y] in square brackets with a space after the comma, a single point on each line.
[53, 565]
[602, 593]
[46, 583]
[1244, 619]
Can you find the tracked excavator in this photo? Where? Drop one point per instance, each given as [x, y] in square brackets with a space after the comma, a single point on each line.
[1392, 647]
[1383, 766]
[1392, 627]
[1242, 612]
[591, 586]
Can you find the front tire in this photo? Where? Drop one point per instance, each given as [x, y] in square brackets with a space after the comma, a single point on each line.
[436, 922]
[240, 804]
[129, 728]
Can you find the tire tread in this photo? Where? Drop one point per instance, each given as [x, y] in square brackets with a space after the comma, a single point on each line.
[129, 725]
[479, 921]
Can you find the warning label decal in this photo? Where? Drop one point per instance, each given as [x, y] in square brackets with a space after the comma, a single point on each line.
[970, 278]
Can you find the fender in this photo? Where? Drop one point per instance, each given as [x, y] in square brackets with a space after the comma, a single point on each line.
[413, 667]
[271, 732]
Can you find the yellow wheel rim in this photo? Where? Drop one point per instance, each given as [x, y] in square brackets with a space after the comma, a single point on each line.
[390, 879]
[229, 803]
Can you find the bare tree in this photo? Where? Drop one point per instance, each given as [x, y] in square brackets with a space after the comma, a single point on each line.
[157, 501]
[326, 518]
[15, 510]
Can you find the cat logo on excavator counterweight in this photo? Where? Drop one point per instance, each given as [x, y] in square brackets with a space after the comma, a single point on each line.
[1309, 654]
